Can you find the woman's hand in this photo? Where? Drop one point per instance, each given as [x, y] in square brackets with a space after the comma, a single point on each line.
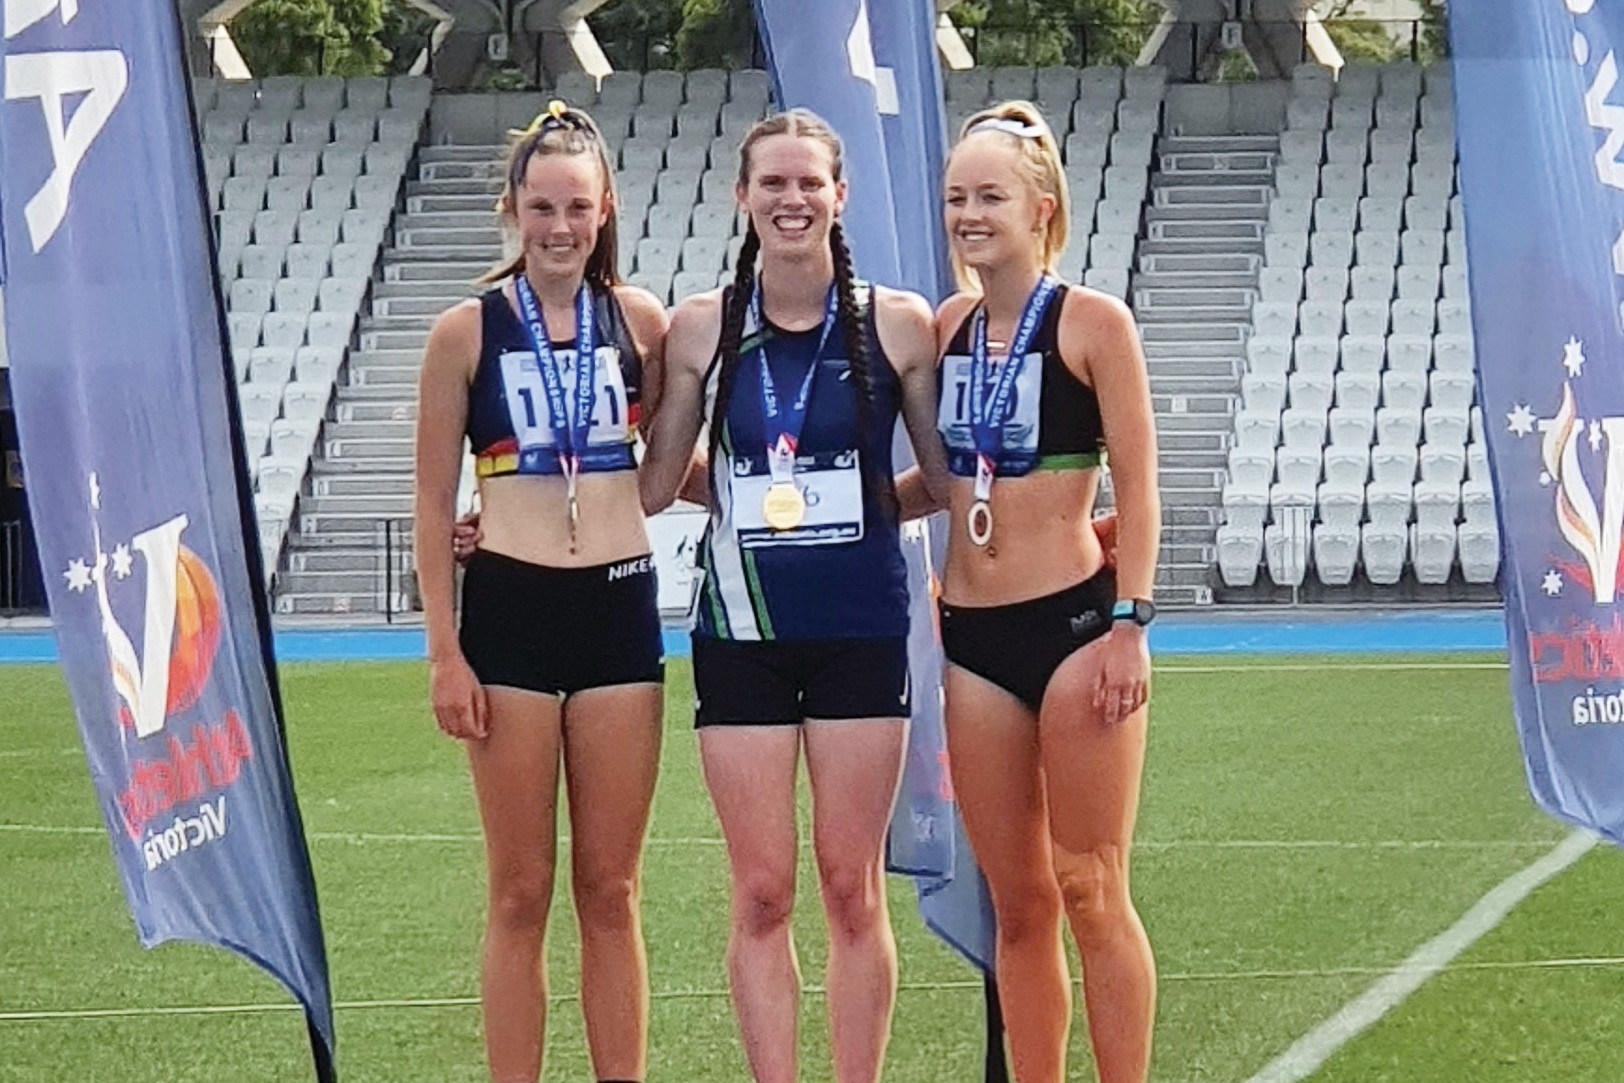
[1105, 529]
[466, 536]
[1121, 672]
[460, 707]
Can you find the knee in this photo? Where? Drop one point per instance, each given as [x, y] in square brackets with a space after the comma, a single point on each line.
[1094, 886]
[520, 903]
[1027, 911]
[762, 903]
[605, 903]
[853, 897]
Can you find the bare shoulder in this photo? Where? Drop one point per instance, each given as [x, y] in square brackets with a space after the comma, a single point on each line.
[458, 329]
[1090, 311]
[902, 307]
[696, 327]
[903, 322]
[698, 310]
[639, 305]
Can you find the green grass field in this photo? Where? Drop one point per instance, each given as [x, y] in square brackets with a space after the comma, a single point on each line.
[1304, 828]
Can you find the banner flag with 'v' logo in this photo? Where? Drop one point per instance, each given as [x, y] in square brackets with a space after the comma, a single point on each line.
[1540, 117]
[137, 478]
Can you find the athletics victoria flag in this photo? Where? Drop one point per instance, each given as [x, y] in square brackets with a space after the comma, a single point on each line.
[1541, 129]
[137, 478]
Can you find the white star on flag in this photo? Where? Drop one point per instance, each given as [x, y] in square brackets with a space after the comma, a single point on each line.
[1521, 420]
[1545, 477]
[123, 562]
[1552, 586]
[1573, 356]
[1594, 435]
[78, 576]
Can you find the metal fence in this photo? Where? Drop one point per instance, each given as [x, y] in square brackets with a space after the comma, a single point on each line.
[397, 577]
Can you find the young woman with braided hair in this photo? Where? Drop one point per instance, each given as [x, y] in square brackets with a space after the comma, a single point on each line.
[1048, 672]
[558, 656]
[801, 636]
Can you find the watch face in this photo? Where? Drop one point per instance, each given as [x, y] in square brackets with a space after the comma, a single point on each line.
[1143, 612]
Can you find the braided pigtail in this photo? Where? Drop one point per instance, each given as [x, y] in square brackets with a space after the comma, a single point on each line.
[727, 351]
[854, 325]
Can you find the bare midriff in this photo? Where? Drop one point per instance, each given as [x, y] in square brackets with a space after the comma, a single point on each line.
[1042, 539]
[527, 518]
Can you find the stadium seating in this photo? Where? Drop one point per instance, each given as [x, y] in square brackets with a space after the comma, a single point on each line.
[302, 176]
[1361, 322]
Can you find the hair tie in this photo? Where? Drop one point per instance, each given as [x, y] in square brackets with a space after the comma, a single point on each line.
[556, 115]
[1007, 125]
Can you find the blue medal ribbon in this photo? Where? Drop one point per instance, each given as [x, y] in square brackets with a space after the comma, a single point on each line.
[570, 432]
[990, 413]
[783, 427]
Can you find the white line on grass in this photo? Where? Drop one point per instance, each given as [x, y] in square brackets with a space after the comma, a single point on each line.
[362, 837]
[1300, 667]
[358, 837]
[811, 990]
[1316, 1047]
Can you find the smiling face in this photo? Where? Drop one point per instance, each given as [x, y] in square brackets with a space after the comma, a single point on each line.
[559, 210]
[994, 213]
[791, 193]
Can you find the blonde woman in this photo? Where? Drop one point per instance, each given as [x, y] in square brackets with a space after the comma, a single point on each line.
[1048, 671]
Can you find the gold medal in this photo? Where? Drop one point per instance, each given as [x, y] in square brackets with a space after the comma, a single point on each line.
[783, 507]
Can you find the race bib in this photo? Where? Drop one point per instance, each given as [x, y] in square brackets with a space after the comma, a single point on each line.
[832, 485]
[953, 411]
[527, 398]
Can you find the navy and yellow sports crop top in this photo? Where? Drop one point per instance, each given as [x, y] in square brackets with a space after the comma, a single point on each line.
[1055, 424]
[508, 423]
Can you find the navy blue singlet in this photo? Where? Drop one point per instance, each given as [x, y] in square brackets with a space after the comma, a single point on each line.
[835, 589]
[507, 404]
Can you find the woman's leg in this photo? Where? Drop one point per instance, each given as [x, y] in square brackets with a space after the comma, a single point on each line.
[1092, 771]
[993, 748]
[611, 757]
[854, 767]
[516, 779]
[750, 771]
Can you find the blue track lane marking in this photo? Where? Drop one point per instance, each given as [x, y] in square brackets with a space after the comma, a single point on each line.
[1392, 632]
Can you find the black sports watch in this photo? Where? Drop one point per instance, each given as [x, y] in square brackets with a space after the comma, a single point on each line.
[1139, 610]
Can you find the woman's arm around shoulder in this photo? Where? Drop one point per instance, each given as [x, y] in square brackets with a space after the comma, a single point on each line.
[690, 344]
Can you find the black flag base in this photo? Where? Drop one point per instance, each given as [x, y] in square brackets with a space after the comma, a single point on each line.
[997, 1069]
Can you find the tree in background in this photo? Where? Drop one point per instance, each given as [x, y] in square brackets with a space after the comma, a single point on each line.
[1434, 29]
[716, 34]
[1040, 32]
[682, 34]
[638, 35]
[312, 37]
[1359, 40]
[406, 32]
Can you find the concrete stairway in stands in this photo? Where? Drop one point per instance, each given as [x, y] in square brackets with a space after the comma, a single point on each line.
[1196, 274]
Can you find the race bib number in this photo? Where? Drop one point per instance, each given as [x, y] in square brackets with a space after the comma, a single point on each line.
[831, 483]
[953, 412]
[527, 398]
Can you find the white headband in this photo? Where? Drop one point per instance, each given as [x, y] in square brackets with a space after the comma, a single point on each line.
[1007, 125]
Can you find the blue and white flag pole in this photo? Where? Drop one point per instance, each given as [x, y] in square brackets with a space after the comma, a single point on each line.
[137, 478]
[1541, 135]
[871, 71]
